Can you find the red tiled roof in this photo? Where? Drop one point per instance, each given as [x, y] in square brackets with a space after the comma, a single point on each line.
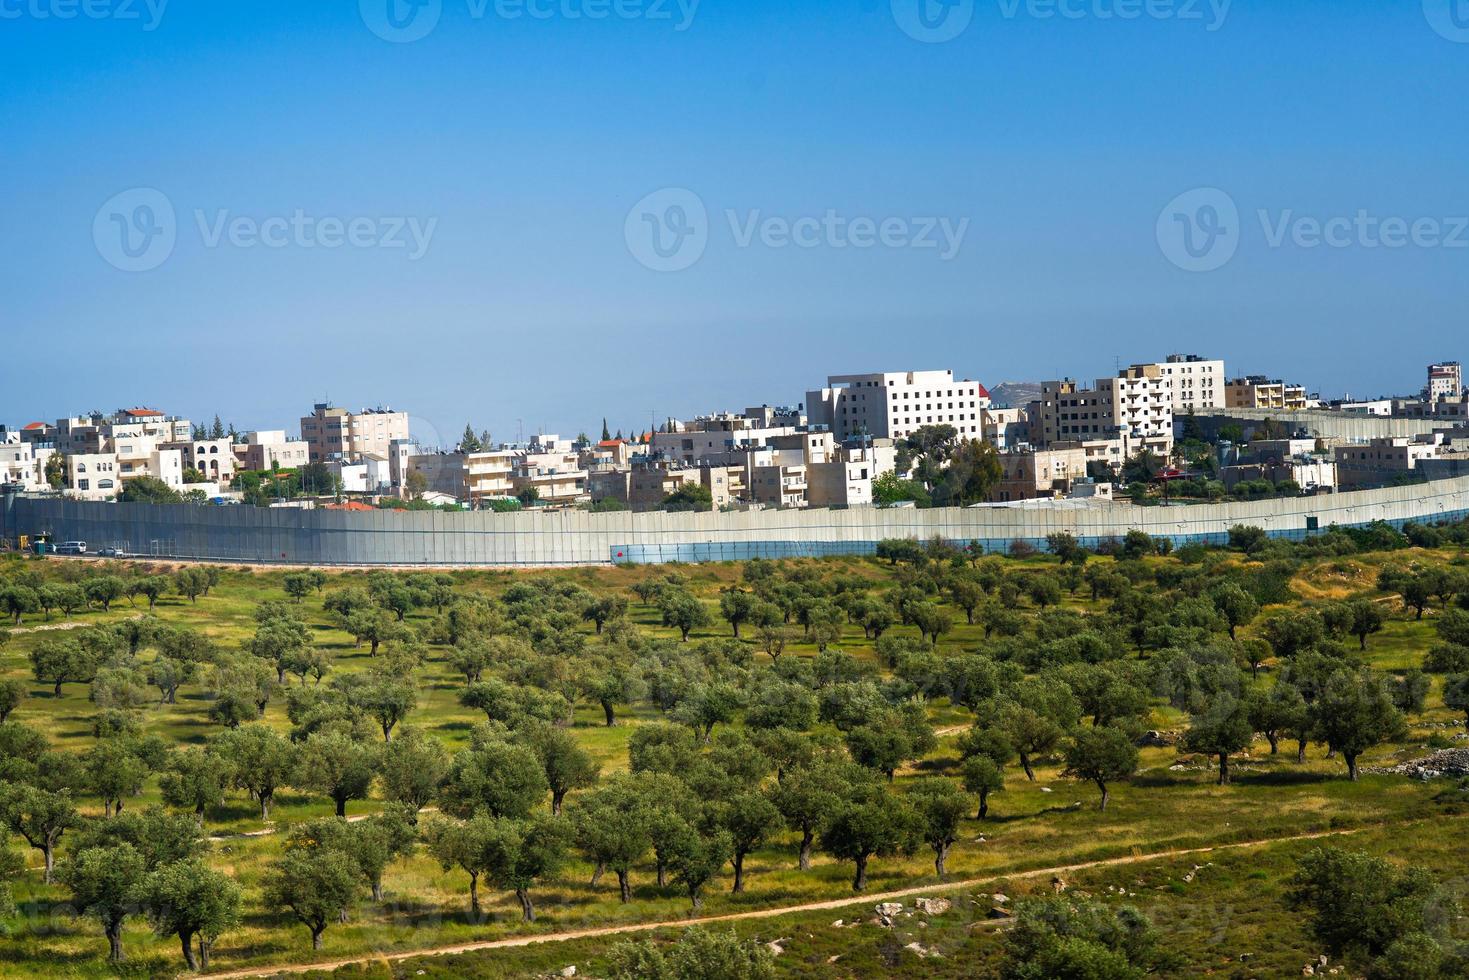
[34, 426]
[609, 443]
[142, 413]
[983, 391]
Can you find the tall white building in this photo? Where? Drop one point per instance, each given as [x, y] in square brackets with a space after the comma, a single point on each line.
[894, 405]
[1195, 383]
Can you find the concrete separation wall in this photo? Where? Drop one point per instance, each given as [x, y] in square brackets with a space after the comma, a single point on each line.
[247, 534]
[1322, 425]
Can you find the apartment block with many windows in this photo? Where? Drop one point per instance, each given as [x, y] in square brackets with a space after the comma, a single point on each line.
[1196, 383]
[895, 404]
[331, 432]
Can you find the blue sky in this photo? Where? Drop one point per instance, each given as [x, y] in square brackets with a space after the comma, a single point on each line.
[518, 146]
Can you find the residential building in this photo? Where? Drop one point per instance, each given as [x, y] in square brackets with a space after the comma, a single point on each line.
[442, 472]
[1258, 391]
[1312, 473]
[489, 475]
[23, 463]
[1003, 428]
[609, 454]
[1195, 383]
[1380, 407]
[368, 474]
[1133, 409]
[777, 484]
[93, 476]
[1445, 382]
[1383, 460]
[846, 480]
[556, 478]
[214, 458]
[893, 405]
[1038, 474]
[651, 481]
[271, 449]
[331, 432]
[399, 453]
[714, 437]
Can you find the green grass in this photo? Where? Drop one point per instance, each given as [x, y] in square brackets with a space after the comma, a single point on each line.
[1031, 826]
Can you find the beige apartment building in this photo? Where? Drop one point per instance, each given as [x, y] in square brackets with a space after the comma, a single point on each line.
[1382, 460]
[1039, 474]
[1133, 409]
[894, 405]
[335, 432]
[1257, 391]
[1445, 382]
[271, 449]
[846, 479]
[488, 476]
[443, 473]
[92, 476]
[556, 478]
[649, 484]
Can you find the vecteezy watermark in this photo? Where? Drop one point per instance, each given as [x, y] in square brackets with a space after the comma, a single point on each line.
[406, 21]
[1201, 230]
[1363, 230]
[937, 21]
[669, 231]
[137, 231]
[148, 13]
[933, 21]
[1211, 13]
[1450, 18]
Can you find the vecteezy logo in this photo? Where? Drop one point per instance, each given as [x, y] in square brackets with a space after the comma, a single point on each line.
[1450, 18]
[401, 21]
[668, 230]
[933, 21]
[136, 230]
[1200, 231]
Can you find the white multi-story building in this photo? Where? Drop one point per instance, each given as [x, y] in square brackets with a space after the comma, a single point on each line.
[215, 458]
[23, 463]
[1195, 383]
[93, 476]
[896, 404]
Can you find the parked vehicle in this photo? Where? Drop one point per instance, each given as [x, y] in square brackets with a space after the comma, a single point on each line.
[72, 548]
[113, 553]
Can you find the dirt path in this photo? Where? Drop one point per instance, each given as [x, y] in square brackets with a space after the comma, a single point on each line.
[70, 624]
[872, 898]
[275, 828]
